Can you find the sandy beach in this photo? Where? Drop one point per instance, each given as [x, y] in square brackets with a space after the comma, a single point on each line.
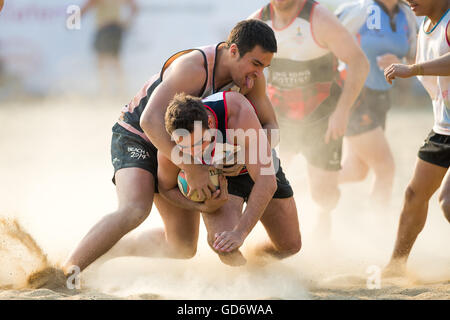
[56, 175]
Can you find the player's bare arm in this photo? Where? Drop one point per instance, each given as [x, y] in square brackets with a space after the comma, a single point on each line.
[186, 74]
[436, 67]
[168, 188]
[264, 110]
[242, 116]
[330, 33]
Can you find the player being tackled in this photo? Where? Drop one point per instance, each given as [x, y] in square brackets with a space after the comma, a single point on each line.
[204, 131]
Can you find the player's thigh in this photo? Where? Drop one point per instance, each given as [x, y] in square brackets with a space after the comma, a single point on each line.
[426, 180]
[181, 225]
[322, 180]
[351, 158]
[280, 219]
[135, 188]
[445, 188]
[371, 146]
[225, 218]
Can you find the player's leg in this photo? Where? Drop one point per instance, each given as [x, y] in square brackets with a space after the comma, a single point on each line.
[325, 193]
[225, 219]
[135, 188]
[354, 169]
[280, 220]
[426, 180]
[444, 196]
[177, 239]
[372, 149]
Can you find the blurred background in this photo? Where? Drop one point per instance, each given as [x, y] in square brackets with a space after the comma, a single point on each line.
[45, 51]
[55, 166]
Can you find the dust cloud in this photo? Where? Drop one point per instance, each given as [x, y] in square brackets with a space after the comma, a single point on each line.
[56, 175]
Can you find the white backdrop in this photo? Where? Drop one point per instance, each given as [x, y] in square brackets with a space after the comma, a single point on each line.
[36, 45]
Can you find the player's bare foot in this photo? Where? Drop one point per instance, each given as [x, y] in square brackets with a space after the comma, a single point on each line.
[395, 269]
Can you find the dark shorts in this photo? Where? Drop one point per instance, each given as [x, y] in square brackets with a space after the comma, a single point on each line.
[242, 185]
[109, 39]
[369, 112]
[129, 150]
[307, 136]
[436, 150]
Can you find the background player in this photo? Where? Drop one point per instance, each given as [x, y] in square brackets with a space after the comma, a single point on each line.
[433, 70]
[394, 38]
[303, 85]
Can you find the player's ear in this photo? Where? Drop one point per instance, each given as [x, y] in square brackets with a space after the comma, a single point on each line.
[234, 50]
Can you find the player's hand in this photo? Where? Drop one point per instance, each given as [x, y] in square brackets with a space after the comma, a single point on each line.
[228, 241]
[219, 197]
[197, 178]
[232, 171]
[337, 124]
[398, 70]
[386, 60]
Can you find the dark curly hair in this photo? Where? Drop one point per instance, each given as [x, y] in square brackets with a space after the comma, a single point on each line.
[249, 33]
[183, 111]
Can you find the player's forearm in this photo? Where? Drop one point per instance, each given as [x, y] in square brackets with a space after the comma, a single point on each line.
[273, 133]
[436, 67]
[260, 196]
[175, 197]
[357, 72]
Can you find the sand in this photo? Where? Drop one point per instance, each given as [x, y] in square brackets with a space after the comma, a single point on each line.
[56, 183]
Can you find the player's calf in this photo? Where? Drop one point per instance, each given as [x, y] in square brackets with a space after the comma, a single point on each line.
[444, 201]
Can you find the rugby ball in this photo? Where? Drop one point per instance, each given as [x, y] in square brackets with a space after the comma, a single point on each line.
[184, 187]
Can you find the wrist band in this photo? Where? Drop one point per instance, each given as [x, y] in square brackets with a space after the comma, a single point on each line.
[419, 69]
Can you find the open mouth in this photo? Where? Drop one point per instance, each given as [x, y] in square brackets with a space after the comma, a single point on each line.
[412, 5]
[249, 82]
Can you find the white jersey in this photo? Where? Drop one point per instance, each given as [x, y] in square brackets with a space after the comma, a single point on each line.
[303, 74]
[432, 45]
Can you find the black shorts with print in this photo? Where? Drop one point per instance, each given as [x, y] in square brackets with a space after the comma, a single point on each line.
[128, 150]
[369, 112]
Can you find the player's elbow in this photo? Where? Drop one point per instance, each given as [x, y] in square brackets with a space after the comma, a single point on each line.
[148, 120]
[359, 65]
[363, 65]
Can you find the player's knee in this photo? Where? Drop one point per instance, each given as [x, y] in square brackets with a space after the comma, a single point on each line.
[361, 174]
[186, 252]
[291, 248]
[133, 216]
[327, 198]
[412, 197]
[444, 201]
[210, 240]
[385, 167]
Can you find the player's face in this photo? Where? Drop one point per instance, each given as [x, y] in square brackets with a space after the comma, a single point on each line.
[192, 144]
[249, 67]
[420, 7]
[284, 5]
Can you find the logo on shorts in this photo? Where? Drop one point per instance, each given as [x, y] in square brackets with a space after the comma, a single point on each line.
[138, 153]
[365, 120]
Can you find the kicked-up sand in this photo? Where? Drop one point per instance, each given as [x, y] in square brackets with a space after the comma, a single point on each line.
[56, 175]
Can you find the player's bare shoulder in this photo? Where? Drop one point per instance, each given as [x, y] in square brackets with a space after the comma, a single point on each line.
[237, 106]
[325, 25]
[188, 68]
